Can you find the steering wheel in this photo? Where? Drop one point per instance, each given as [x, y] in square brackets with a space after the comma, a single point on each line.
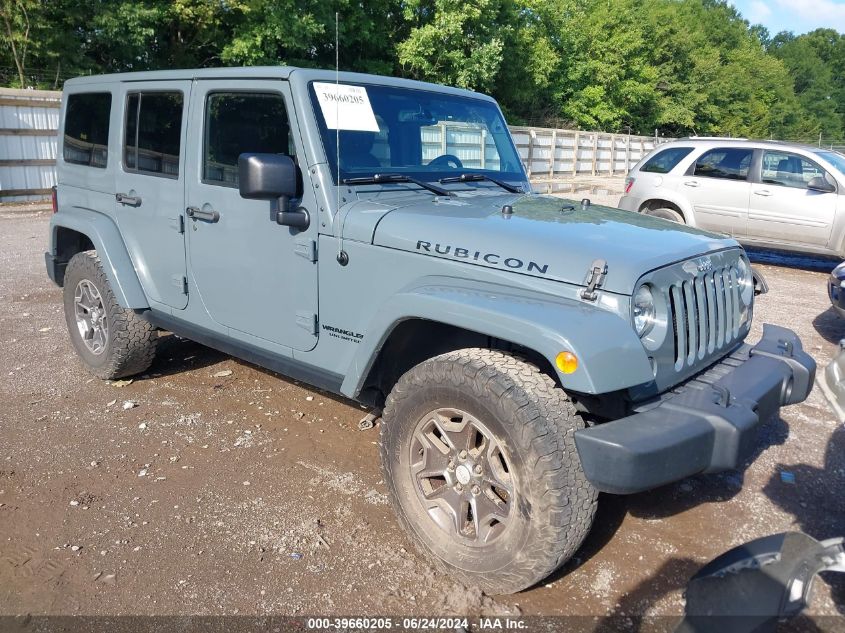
[447, 160]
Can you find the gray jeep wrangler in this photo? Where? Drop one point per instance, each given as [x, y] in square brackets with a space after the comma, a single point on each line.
[378, 238]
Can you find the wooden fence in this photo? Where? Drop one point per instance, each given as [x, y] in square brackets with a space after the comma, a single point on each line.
[28, 123]
[550, 154]
[28, 144]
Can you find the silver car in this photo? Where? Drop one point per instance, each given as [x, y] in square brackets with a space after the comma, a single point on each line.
[763, 193]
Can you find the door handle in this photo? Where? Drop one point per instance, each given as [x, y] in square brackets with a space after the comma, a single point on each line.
[198, 214]
[762, 192]
[125, 198]
[691, 183]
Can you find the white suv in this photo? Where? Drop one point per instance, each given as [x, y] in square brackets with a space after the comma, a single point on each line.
[763, 193]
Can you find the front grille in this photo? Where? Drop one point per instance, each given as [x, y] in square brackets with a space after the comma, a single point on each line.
[705, 314]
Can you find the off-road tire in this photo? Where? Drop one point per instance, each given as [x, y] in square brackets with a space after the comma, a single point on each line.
[535, 422]
[131, 343]
[666, 213]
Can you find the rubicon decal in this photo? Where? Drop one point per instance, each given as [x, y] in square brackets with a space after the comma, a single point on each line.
[493, 259]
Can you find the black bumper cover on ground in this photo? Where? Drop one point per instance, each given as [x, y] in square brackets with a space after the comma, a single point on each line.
[708, 424]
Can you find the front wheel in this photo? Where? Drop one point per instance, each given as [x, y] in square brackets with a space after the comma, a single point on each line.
[479, 456]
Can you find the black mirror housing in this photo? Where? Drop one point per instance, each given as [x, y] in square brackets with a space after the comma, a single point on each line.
[820, 183]
[266, 176]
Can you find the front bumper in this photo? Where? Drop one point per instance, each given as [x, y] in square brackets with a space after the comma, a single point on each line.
[708, 424]
[836, 293]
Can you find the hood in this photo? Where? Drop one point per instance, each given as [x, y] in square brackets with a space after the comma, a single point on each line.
[545, 237]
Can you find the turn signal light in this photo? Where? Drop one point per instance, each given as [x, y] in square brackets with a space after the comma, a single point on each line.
[54, 199]
[566, 362]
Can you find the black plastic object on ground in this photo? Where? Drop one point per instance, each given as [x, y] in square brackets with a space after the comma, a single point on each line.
[751, 587]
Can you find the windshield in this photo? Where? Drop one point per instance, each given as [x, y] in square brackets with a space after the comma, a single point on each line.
[834, 158]
[421, 134]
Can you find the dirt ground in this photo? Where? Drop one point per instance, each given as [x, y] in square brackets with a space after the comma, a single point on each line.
[209, 486]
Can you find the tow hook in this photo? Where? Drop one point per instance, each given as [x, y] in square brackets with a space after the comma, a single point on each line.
[369, 420]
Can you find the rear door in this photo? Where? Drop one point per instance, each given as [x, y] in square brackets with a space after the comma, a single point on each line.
[252, 274]
[718, 188]
[783, 209]
[150, 186]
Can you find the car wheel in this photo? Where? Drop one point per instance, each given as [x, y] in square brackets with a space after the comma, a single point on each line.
[479, 457]
[112, 341]
[666, 214]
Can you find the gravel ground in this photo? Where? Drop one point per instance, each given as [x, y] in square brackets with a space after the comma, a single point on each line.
[209, 486]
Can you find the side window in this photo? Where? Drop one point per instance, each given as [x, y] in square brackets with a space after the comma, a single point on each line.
[86, 140]
[730, 163]
[153, 133]
[665, 161]
[242, 122]
[788, 170]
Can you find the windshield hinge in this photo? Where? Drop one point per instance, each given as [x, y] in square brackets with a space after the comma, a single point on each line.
[595, 278]
[306, 249]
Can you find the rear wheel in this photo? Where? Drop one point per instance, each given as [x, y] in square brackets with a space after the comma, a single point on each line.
[666, 213]
[112, 341]
[479, 456]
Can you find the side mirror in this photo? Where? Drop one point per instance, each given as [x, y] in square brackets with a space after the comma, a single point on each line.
[820, 183]
[272, 177]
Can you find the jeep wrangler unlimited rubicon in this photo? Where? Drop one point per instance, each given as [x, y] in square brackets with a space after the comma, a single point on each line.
[378, 238]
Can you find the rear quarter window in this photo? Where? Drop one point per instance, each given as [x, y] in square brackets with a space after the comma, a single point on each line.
[86, 137]
[666, 160]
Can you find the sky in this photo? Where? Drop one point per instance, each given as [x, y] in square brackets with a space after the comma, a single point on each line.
[798, 16]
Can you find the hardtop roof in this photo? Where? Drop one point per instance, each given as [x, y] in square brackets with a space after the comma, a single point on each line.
[266, 72]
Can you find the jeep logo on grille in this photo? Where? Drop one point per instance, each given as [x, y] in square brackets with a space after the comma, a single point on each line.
[704, 265]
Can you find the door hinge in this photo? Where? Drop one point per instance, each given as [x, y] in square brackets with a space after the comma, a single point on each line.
[307, 321]
[595, 278]
[181, 282]
[306, 249]
[178, 223]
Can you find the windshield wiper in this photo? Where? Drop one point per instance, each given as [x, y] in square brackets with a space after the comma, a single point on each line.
[381, 179]
[478, 177]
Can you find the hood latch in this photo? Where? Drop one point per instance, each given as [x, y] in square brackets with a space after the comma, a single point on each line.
[595, 278]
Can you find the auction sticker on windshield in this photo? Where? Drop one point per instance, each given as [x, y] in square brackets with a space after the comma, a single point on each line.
[346, 107]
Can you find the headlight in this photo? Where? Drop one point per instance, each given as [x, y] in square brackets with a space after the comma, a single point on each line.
[745, 279]
[642, 310]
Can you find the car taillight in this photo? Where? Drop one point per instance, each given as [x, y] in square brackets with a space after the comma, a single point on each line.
[54, 199]
[629, 182]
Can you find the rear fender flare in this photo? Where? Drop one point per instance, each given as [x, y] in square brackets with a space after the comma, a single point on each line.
[106, 238]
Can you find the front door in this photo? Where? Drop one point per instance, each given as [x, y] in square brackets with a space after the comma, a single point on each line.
[783, 209]
[717, 187]
[252, 274]
[150, 185]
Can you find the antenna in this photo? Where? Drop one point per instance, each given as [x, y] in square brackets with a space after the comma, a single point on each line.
[342, 257]
[337, 100]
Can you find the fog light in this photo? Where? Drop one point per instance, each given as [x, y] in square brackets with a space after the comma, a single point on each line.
[566, 362]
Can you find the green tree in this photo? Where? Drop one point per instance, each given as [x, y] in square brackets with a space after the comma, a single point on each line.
[814, 62]
[458, 42]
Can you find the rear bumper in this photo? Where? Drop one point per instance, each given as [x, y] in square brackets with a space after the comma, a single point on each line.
[708, 424]
[629, 203]
[55, 269]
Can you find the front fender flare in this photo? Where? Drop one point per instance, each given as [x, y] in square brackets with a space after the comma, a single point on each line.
[610, 355]
[105, 236]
